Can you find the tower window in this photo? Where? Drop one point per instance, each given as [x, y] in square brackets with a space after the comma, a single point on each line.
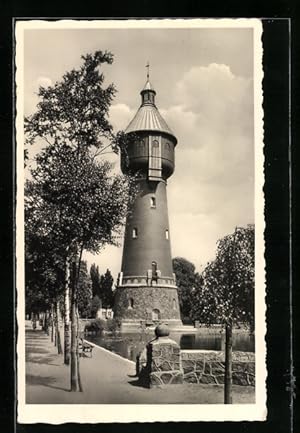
[167, 234]
[174, 304]
[152, 201]
[130, 303]
[134, 233]
[155, 314]
[140, 145]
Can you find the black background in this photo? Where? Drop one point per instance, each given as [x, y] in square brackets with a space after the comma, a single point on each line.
[278, 193]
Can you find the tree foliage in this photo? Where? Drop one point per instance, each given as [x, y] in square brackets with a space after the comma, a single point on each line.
[75, 201]
[86, 204]
[74, 110]
[95, 278]
[102, 286]
[44, 272]
[95, 304]
[84, 290]
[186, 280]
[106, 292]
[227, 293]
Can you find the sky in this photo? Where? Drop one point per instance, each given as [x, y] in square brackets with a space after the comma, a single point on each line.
[203, 78]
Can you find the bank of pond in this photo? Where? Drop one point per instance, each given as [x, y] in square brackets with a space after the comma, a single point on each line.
[129, 345]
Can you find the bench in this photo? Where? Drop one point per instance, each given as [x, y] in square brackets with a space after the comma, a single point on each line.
[85, 347]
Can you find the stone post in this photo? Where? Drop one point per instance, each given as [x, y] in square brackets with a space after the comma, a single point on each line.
[163, 359]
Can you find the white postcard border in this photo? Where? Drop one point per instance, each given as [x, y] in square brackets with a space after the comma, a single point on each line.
[57, 414]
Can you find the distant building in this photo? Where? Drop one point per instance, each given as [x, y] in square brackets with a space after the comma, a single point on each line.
[105, 313]
[146, 287]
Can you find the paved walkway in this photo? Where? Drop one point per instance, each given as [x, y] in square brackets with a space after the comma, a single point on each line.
[106, 378]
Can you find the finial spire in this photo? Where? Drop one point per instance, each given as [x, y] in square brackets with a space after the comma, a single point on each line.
[148, 93]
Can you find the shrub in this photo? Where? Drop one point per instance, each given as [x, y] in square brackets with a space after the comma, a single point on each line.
[94, 326]
[97, 326]
[112, 325]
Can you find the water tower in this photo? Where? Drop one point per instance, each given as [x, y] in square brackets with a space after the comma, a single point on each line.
[146, 288]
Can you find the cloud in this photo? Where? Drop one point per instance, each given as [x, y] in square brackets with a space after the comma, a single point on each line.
[212, 189]
[215, 91]
[216, 99]
[120, 116]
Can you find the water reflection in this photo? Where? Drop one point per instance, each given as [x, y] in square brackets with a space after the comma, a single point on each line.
[242, 341]
[129, 345]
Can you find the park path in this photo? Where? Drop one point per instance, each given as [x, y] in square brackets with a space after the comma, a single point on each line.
[106, 378]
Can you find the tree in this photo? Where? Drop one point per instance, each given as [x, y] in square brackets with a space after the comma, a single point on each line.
[186, 279]
[102, 285]
[84, 204]
[84, 289]
[95, 304]
[44, 273]
[95, 277]
[43, 284]
[74, 111]
[106, 292]
[227, 293]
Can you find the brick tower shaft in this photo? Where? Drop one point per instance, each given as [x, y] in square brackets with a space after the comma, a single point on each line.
[147, 235]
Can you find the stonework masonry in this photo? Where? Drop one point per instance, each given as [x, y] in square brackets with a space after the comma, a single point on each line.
[160, 363]
[164, 354]
[163, 362]
[201, 366]
[151, 304]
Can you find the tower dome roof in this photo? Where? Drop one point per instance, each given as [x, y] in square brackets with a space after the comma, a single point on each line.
[148, 118]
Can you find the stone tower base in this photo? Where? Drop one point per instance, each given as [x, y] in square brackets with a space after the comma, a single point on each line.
[144, 306]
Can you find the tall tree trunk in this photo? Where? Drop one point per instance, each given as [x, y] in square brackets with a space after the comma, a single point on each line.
[52, 323]
[58, 339]
[228, 365]
[77, 354]
[46, 322]
[75, 383]
[75, 386]
[54, 326]
[75, 375]
[67, 328]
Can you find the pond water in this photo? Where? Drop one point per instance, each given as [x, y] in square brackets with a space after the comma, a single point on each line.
[129, 345]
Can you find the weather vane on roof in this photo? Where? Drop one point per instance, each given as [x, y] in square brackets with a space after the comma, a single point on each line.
[148, 66]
